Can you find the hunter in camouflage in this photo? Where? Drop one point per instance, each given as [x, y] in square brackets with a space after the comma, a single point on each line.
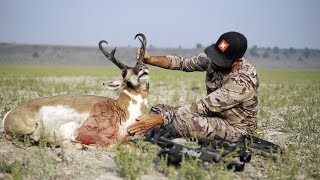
[229, 109]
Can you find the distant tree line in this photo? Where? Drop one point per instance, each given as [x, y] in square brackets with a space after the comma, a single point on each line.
[278, 53]
[274, 52]
[35, 54]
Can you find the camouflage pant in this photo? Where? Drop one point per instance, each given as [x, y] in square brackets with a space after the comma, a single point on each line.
[204, 128]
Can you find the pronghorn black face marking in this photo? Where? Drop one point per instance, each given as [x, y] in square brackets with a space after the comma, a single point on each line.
[136, 77]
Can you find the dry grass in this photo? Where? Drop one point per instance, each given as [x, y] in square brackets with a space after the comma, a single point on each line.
[288, 115]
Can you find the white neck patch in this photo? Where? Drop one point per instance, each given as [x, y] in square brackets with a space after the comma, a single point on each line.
[134, 112]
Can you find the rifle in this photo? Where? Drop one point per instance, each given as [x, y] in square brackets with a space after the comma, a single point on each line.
[211, 152]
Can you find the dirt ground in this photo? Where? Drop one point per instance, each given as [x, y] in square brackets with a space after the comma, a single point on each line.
[58, 163]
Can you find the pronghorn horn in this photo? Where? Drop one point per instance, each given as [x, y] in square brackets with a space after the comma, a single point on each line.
[110, 56]
[143, 46]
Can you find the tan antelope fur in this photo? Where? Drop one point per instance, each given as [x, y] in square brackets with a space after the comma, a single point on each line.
[86, 119]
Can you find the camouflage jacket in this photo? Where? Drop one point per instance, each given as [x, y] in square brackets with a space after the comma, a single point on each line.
[232, 96]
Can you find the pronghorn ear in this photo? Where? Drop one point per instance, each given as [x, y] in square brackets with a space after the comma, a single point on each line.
[113, 85]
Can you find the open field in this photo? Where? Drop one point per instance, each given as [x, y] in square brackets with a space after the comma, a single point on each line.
[289, 115]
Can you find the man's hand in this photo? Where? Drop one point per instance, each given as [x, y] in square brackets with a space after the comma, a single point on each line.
[144, 123]
[146, 55]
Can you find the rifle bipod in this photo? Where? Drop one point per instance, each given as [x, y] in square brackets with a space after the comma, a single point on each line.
[244, 157]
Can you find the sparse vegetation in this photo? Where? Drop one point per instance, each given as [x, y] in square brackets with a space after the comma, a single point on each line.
[275, 50]
[306, 53]
[35, 55]
[132, 162]
[198, 45]
[288, 115]
[12, 168]
[266, 54]
[254, 51]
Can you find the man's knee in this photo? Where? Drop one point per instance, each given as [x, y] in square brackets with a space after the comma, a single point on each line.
[189, 125]
[205, 128]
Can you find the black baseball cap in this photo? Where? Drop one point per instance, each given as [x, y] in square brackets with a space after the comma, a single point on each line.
[230, 47]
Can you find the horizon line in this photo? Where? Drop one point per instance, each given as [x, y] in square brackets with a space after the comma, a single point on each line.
[132, 46]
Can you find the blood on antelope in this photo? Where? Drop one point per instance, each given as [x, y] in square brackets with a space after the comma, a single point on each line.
[86, 119]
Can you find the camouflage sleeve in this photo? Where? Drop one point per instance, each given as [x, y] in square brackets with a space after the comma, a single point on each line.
[237, 90]
[196, 63]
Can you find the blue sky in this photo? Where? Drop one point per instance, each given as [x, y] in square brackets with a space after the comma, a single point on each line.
[166, 23]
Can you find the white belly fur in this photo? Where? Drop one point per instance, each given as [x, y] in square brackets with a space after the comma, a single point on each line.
[59, 123]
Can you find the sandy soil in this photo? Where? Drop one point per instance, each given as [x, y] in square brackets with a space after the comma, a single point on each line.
[60, 163]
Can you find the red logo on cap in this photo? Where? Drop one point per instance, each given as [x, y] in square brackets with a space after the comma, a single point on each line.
[223, 45]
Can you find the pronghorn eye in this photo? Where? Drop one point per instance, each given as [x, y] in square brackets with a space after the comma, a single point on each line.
[139, 68]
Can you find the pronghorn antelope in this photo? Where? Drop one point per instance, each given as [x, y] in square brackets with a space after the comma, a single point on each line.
[86, 119]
